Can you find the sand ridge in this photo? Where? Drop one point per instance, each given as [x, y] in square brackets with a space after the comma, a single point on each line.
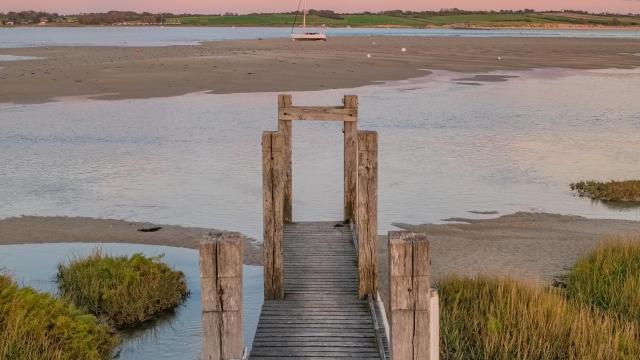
[61, 229]
[278, 65]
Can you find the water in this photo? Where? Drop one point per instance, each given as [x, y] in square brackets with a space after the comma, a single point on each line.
[445, 149]
[175, 336]
[17, 58]
[159, 36]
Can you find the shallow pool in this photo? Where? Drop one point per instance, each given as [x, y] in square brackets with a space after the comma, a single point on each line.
[174, 336]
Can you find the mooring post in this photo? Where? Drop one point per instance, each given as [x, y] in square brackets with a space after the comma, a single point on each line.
[367, 212]
[273, 184]
[221, 286]
[412, 301]
[285, 128]
[351, 160]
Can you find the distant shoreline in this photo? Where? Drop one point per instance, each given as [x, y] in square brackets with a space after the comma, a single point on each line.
[447, 27]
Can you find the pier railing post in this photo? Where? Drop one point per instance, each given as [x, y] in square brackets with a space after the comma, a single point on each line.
[367, 212]
[414, 305]
[285, 128]
[350, 160]
[221, 285]
[273, 185]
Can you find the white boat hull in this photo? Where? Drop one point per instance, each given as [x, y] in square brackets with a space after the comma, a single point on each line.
[309, 37]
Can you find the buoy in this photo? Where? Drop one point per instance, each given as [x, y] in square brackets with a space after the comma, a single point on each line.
[374, 43]
[368, 55]
[404, 49]
[499, 57]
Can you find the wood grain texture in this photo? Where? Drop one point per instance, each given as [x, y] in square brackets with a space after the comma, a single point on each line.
[321, 315]
[410, 296]
[221, 287]
[367, 212]
[273, 184]
[285, 128]
[351, 161]
[320, 113]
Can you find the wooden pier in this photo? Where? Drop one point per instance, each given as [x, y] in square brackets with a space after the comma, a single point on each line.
[320, 278]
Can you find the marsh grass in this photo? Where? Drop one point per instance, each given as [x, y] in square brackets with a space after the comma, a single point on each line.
[628, 191]
[36, 326]
[609, 278]
[124, 290]
[501, 319]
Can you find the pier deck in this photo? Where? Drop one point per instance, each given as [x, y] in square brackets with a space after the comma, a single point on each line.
[320, 316]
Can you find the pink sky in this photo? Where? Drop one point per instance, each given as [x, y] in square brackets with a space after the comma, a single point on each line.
[244, 6]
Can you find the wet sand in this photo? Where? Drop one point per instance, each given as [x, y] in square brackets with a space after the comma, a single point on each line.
[280, 65]
[58, 229]
[533, 247]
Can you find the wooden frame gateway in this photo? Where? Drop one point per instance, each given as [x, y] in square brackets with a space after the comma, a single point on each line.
[327, 305]
[278, 188]
[348, 114]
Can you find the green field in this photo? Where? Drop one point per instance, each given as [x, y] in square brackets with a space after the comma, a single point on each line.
[415, 20]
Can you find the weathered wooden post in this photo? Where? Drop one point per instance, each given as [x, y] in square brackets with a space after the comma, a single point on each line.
[411, 298]
[273, 184]
[367, 212]
[221, 285]
[285, 128]
[351, 159]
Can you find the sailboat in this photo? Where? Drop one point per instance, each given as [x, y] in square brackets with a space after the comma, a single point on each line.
[306, 35]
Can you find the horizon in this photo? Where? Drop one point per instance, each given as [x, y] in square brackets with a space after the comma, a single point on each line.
[253, 6]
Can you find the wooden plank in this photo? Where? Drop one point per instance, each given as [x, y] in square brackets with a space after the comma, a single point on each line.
[285, 128]
[221, 285]
[434, 326]
[367, 212]
[320, 113]
[410, 296]
[350, 161]
[321, 315]
[273, 217]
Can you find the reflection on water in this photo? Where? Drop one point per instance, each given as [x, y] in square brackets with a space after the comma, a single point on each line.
[622, 206]
[17, 58]
[445, 149]
[176, 335]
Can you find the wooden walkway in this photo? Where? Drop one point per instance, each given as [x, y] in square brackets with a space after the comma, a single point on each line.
[320, 316]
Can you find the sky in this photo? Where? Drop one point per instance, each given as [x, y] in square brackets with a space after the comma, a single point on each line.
[247, 6]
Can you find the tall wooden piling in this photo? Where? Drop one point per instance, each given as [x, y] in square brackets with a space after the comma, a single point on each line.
[221, 285]
[410, 296]
[285, 128]
[351, 160]
[273, 187]
[367, 211]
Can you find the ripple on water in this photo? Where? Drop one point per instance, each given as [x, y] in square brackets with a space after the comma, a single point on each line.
[445, 148]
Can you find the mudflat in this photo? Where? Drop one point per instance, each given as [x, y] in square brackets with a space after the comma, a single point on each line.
[61, 229]
[276, 65]
[530, 246]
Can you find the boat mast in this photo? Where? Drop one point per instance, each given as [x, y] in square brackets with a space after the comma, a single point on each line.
[304, 17]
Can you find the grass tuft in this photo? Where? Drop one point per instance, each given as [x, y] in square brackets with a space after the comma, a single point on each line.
[125, 291]
[501, 319]
[609, 278]
[37, 326]
[609, 191]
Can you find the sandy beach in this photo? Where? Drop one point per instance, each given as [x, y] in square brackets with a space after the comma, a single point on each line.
[531, 246]
[281, 65]
[60, 229]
